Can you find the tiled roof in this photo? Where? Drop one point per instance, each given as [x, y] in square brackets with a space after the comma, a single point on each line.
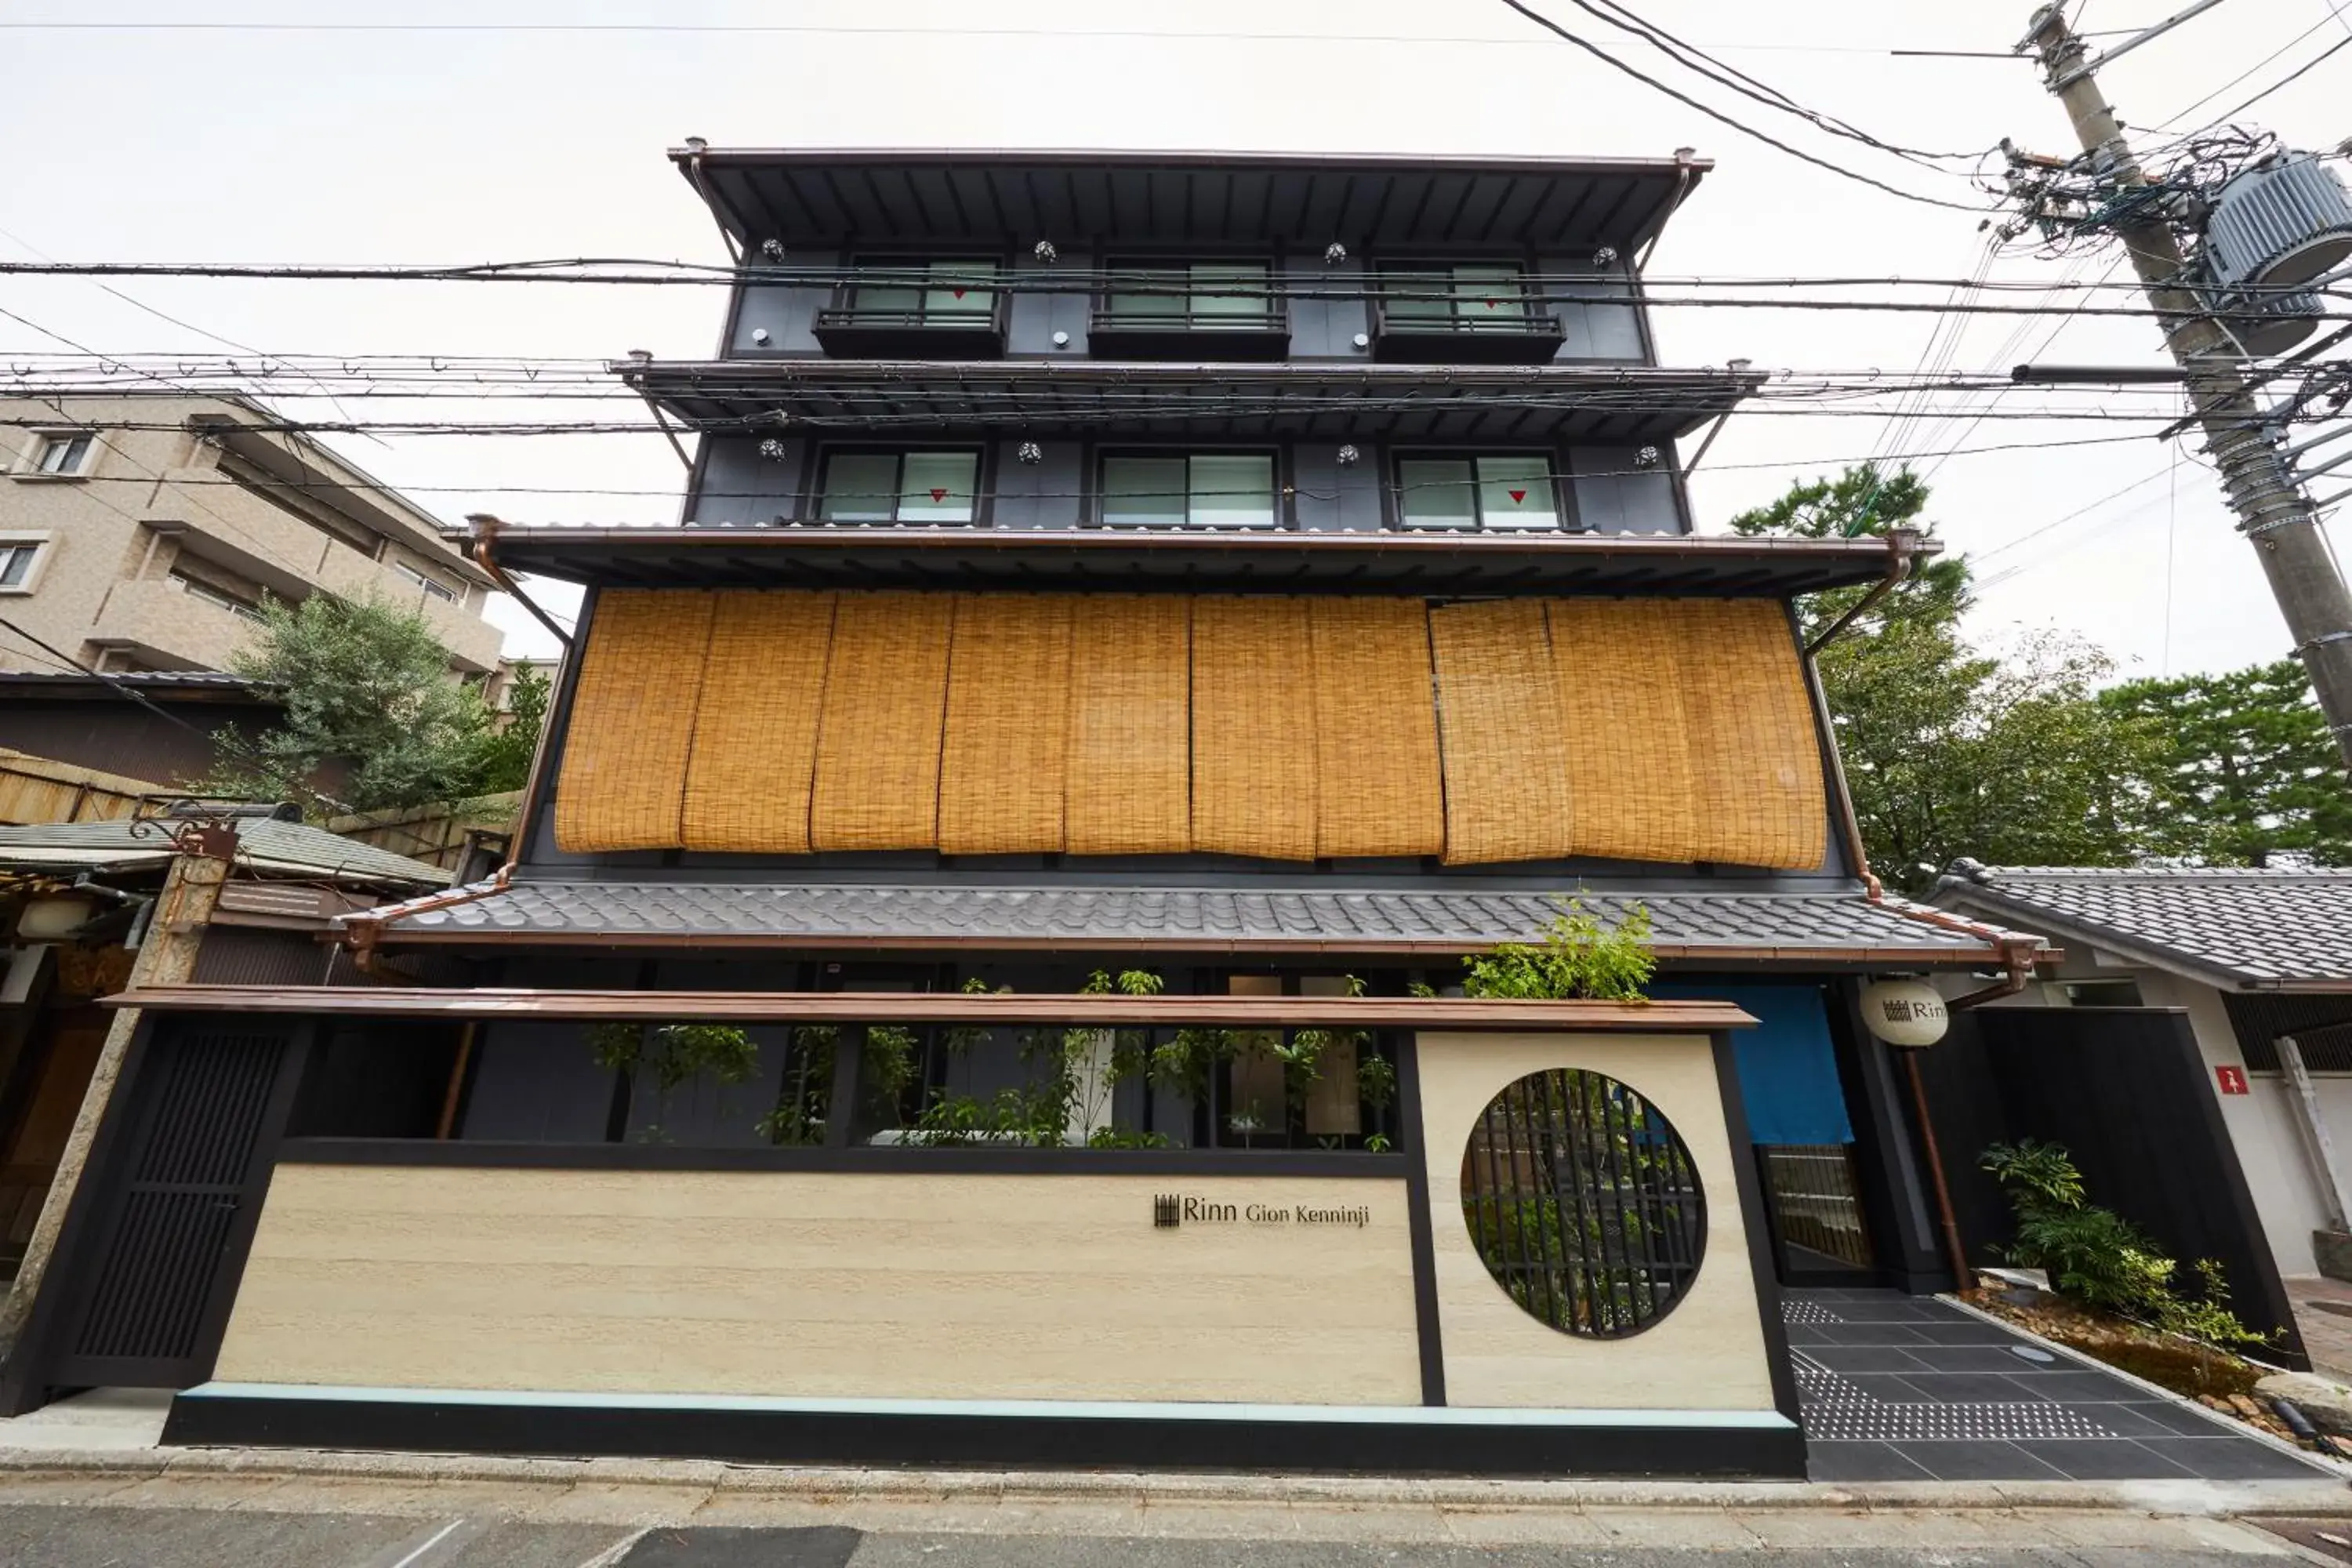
[1826, 925]
[2239, 925]
[264, 843]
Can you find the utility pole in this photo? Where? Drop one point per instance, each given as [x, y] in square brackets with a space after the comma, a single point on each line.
[2273, 510]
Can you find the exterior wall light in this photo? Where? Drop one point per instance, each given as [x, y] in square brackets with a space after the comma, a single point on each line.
[1605, 257]
[1363, 339]
[1349, 456]
[1647, 458]
[759, 336]
[1334, 253]
[771, 449]
[1044, 251]
[772, 248]
[1030, 453]
[1061, 340]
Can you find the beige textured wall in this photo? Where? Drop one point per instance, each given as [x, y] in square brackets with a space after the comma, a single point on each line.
[1708, 1353]
[99, 582]
[823, 1286]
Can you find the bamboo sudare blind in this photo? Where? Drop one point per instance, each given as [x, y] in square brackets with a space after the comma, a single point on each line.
[633, 714]
[878, 742]
[1254, 774]
[1003, 757]
[1657, 730]
[748, 785]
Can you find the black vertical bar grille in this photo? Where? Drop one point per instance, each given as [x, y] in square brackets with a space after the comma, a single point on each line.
[1583, 1203]
[186, 1185]
[1817, 1200]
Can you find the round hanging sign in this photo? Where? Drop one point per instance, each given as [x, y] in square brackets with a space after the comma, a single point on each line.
[1904, 1012]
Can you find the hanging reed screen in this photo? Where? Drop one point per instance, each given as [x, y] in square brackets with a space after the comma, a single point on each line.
[1621, 674]
[1253, 784]
[1583, 1203]
[1002, 760]
[1664, 731]
[877, 748]
[747, 784]
[1130, 751]
[624, 781]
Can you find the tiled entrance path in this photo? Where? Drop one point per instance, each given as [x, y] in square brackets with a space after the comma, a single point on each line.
[1897, 1387]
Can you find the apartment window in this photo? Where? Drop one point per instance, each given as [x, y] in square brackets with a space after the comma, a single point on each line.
[1502, 489]
[1201, 489]
[219, 597]
[899, 487]
[1206, 296]
[927, 294]
[17, 566]
[64, 453]
[1484, 297]
[431, 586]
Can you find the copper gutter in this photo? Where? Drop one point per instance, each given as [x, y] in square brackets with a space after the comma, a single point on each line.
[911, 1007]
[485, 537]
[1904, 554]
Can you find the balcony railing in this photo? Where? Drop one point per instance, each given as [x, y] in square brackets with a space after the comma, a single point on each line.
[925, 332]
[1173, 331]
[1411, 331]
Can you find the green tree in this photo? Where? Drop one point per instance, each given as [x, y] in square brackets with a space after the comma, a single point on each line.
[1950, 749]
[502, 761]
[2243, 766]
[365, 683]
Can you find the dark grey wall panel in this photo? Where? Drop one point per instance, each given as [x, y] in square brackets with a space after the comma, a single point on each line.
[1596, 331]
[1326, 328]
[737, 485]
[536, 1083]
[1613, 496]
[1039, 495]
[785, 314]
[1034, 316]
[1331, 498]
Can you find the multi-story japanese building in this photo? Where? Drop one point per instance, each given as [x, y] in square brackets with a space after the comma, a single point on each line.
[981, 972]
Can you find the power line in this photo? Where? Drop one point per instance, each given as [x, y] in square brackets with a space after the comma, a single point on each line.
[2292, 77]
[73, 663]
[1601, 54]
[1691, 57]
[2250, 70]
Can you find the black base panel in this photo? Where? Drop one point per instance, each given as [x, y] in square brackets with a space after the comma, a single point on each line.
[805, 1438]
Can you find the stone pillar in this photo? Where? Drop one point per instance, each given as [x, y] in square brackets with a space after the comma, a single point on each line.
[167, 957]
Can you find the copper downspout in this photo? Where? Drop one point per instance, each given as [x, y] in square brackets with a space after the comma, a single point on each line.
[486, 533]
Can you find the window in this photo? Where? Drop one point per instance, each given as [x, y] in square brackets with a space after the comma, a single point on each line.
[1501, 490]
[432, 586]
[221, 597]
[1202, 297]
[17, 566]
[899, 487]
[64, 453]
[949, 294]
[1202, 490]
[1482, 298]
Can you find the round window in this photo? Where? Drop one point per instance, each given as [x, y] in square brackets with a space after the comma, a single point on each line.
[1582, 1203]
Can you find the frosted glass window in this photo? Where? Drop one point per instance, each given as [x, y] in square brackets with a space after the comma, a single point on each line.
[1487, 298]
[1222, 294]
[899, 487]
[936, 487]
[1437, 493]
[1516, 492]
[1144, 491]
[1206, 489]
[1504, 490]
[932, 293]
[1232, 491]
[1209, 294]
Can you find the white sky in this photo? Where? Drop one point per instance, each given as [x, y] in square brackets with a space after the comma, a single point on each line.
[448, 146]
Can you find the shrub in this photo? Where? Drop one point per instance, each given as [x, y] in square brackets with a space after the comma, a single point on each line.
[2096, 1258]
[1578, 959]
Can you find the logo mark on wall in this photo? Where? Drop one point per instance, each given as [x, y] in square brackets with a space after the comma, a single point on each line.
[1167, 1211]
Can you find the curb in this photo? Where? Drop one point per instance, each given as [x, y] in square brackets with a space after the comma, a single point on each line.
[2320, 1495]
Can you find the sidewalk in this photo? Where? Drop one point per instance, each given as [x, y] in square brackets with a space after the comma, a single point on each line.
[2323, 1316]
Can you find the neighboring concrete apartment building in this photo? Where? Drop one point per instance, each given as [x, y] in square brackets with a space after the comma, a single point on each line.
[140, 532]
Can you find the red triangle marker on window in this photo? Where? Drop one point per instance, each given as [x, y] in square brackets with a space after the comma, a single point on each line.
[1491, 304]
[939, 495]
[1519, 495]
[959, 293]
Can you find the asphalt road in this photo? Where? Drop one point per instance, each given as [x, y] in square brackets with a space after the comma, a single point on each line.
[83, 1536]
